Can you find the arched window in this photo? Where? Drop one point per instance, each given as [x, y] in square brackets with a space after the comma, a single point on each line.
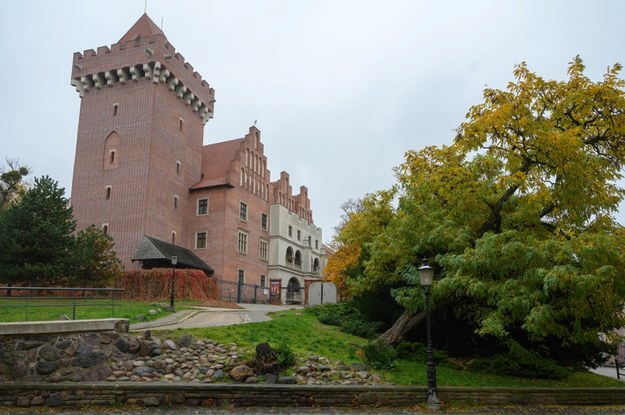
[298, 259]
[316, 265]
[289, 255]
[110, 158]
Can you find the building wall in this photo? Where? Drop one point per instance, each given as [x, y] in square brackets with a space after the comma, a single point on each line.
[141, 167]
[284, 230]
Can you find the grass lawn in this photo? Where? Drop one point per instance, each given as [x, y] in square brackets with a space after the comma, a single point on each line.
[307, 336]
[46, 309]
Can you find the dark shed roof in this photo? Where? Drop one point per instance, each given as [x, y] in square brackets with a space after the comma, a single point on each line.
[154, 249]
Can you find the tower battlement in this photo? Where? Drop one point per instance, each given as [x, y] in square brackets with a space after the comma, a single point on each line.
[152, 58]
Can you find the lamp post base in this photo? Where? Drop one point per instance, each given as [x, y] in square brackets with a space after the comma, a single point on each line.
[432, 401]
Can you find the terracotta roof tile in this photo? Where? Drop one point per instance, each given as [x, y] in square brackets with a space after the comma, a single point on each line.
[217, 161]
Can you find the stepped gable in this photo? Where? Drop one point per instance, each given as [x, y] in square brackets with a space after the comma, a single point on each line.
[216, 163]
[143, 53]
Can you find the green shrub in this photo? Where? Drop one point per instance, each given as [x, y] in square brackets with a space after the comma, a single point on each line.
[379, 356]
[521, 362]
[285, 355]
[333, 314]
[346, 316]
[418, 352]
[361, 328]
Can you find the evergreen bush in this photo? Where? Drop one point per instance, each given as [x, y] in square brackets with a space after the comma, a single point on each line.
[379, 356]
[521, 362]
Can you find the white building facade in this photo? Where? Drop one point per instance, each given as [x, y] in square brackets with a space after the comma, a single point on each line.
[295, 254]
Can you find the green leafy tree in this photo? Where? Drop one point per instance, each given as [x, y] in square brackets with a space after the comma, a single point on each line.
[11, 182]
[35, 235]
[93, 261]
[517, 215]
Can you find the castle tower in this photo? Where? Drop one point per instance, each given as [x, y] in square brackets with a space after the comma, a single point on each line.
[140, 135]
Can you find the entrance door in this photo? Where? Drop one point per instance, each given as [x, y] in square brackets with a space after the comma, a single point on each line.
[293, 292]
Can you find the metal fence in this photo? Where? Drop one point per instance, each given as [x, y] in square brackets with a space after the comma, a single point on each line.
[235, 292]
[67, 299]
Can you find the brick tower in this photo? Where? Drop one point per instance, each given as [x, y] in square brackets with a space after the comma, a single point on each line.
[140, 137]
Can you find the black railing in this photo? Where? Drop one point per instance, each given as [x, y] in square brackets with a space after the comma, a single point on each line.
[236, 292]
[82, 297]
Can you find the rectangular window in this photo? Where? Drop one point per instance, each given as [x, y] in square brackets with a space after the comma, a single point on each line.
[173, 237]
[263, 281]
[264, 251]
[108, 192]
[263, 221]
[290, 230]
[175, 201]
[299, 235]
[242, 245]
[316, 243]
[243, 211]
[200, 240]
[105, 228]
[202, 206]
[241, 276]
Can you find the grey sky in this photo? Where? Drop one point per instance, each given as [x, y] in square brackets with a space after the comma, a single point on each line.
[340, 88]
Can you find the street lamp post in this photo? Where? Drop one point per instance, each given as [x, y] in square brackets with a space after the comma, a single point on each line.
[426, 277]
[174, 261]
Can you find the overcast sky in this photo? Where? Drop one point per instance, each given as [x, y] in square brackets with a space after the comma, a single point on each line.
[340, 88]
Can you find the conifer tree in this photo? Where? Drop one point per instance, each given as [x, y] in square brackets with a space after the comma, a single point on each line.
[36, 235]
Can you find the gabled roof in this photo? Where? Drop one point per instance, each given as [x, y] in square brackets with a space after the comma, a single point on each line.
[216, 163]
[152, 248]
[143, 28]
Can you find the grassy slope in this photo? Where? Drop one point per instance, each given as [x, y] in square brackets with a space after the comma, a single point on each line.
[307, 336]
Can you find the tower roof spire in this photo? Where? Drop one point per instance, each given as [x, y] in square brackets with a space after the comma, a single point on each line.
[143, 28]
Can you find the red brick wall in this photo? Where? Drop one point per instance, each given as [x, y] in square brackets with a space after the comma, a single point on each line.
[145, 182]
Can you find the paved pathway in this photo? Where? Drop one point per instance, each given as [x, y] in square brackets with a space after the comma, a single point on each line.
[212, 316]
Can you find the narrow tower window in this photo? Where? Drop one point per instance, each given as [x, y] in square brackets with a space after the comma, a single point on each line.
[180, 122]
[177, 167]
[115, 109]
[173, 237]
[112, 156]
[105, 228]
[107, 192]
[175, 201]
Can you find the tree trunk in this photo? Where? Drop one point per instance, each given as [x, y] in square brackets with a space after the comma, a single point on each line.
[403, 325]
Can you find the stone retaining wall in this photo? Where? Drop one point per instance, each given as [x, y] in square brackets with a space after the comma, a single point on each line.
[263, 395]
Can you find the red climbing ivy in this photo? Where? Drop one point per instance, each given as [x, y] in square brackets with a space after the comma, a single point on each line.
[155, 284]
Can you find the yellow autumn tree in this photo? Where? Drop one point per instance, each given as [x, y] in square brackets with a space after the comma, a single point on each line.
[517, 215]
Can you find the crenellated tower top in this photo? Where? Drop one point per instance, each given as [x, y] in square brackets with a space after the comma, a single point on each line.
[143, 53]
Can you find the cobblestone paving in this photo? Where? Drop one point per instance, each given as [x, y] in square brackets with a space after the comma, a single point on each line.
[499, 410]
